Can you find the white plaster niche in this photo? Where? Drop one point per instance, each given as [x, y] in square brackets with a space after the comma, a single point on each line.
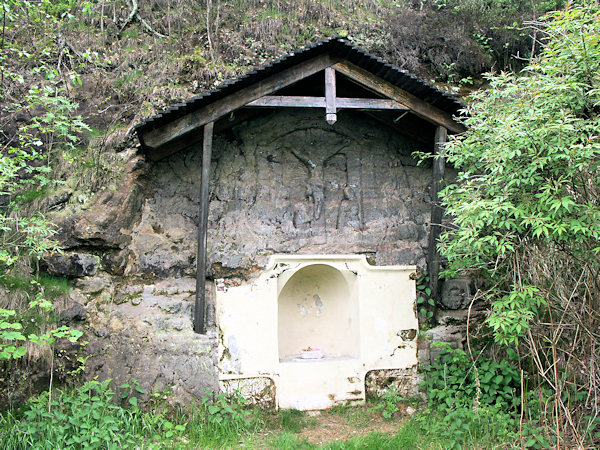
[315, 325]
[317, 309]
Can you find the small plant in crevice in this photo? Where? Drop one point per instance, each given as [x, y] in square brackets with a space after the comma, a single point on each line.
[388, 404]
[425, 303]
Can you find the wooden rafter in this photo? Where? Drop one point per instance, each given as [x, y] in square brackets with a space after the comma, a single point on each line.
[296, 101]
[179, 128]
[419, 107]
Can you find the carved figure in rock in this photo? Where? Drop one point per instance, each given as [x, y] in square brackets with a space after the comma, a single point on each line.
[316, 185]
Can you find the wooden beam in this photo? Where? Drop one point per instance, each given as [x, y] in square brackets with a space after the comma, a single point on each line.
[330, 108]
[289, 101]
[437, 212]
[200, 303]
[293, 101]
[195, 137]
[418, 106]
[163, 135]
[369, 103]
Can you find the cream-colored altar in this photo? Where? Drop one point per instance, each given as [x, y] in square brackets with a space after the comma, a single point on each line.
[315, 325]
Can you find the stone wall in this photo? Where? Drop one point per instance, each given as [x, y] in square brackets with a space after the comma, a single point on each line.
[285, 182]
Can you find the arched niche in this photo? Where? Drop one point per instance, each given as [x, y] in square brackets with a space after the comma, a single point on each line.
[318, 308]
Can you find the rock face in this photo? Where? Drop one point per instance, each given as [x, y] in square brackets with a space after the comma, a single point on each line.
[285, 182]
[288, 182]
[143, 330]
[71, 264]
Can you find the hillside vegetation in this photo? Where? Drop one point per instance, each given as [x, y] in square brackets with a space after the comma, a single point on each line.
[123, 60]
[76, 77]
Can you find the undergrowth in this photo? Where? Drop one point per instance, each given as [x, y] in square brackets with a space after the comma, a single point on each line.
[87, 417]
[98, 416]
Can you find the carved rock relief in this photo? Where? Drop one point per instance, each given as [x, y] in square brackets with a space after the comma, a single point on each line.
[289, 182]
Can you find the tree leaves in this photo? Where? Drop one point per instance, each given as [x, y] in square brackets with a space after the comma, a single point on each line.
[529, 168]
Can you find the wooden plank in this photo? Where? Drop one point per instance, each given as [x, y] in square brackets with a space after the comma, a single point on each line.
[294, 101]
[162, 136]
[369, 103]
[437, 213]
[418, 106]
[224, 123]
[289, 101]
[330, 94]
[200, 303]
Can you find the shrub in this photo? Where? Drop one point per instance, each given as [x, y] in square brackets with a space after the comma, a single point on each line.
[526, 212]
[469, 401]
[87, 417]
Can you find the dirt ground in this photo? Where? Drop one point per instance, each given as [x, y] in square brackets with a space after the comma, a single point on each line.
[334, 427]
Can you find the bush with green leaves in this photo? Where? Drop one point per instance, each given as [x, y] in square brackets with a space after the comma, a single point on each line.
[454, 381]
[467, 400]
[87, 417]
[529, 171]
[38, 120]
[526, 210]
[463, 427]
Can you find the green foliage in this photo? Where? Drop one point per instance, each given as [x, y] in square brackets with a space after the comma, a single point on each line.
[424, 301]
[219, 420]
[13, 329]
[292, 420]
[469, 401]
[39, 102]
[530, 171]
[225, 411]
[84, 418]
[388, 404]
[455, 381]
[485, 427]
[46, 124]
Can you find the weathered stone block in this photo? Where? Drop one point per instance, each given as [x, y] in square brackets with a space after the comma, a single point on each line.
[456, 294]
[403, 381]
[72, 265]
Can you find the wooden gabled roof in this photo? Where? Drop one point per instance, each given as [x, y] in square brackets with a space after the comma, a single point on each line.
[181, 125]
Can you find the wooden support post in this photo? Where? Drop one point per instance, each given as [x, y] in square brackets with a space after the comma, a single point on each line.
[330, 108]
[200, 304]
[437, 212]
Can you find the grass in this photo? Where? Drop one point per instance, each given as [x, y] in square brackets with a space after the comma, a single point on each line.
[53, 286]
[100, 415]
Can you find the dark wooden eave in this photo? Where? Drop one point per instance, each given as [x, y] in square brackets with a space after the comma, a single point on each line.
[394, 89]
